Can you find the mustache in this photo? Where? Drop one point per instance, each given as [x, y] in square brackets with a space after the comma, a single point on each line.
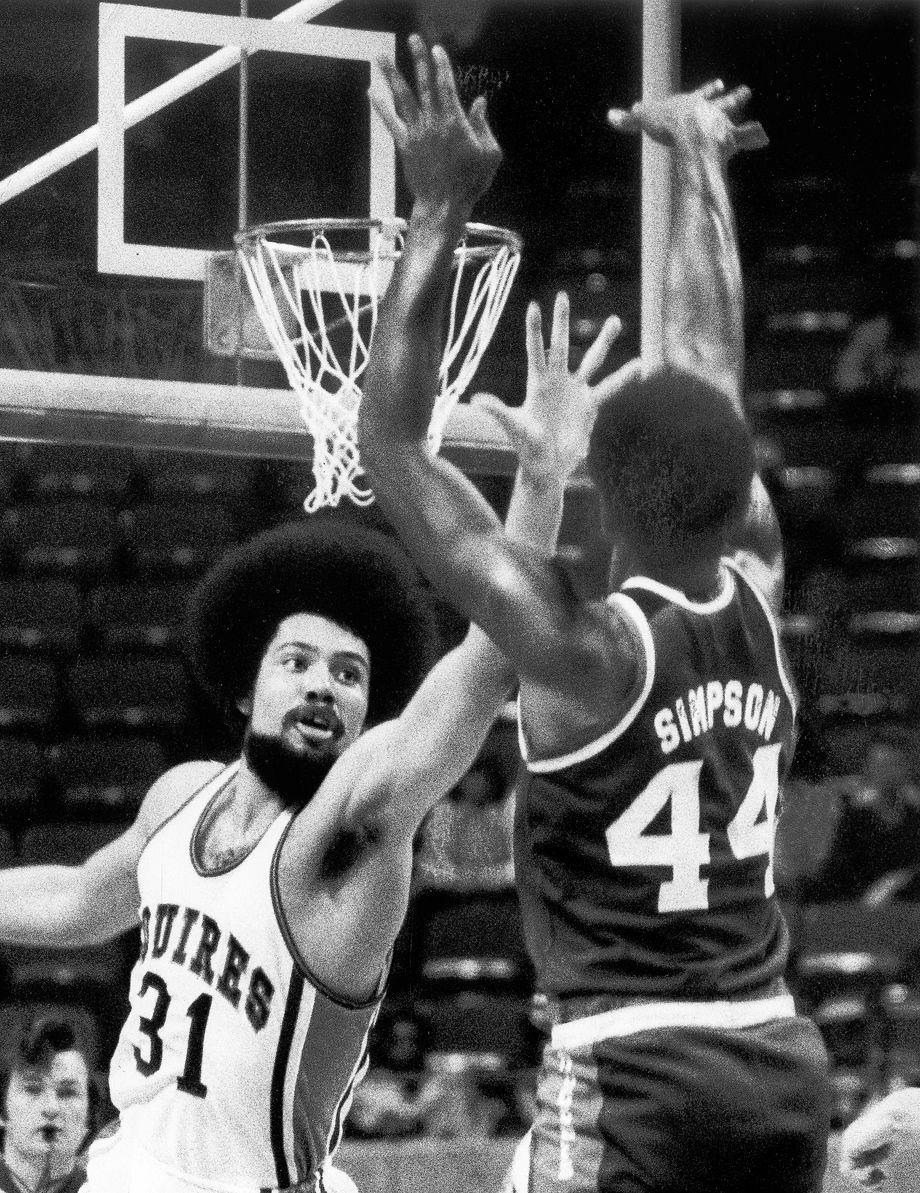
[315, 710]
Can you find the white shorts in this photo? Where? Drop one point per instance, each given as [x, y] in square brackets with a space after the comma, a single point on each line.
[114, 1165]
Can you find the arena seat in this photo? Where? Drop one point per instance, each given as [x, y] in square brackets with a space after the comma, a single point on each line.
[466, 938]
[137, 615]
[798, 347]
[59, 471]
[801, 275]
[29, 693]
[8, 855]
[169, 477]
[884, 502]
[805, 497]
[170, 539]
[94, 977]
[132, 691]
[802, 423]
[880, 572]
[74, 538]
[105, 772]
[882, 649]
[475, 1028]
[852, 1031]
[821, 203]
[23, 777]
[66, 842]
[848, 948]
[38, 615]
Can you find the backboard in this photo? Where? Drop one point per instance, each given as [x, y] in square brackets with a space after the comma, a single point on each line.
[120, 23]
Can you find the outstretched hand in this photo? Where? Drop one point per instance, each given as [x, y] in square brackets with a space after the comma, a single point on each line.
[709, 112]
[447, 155]
[551, 431]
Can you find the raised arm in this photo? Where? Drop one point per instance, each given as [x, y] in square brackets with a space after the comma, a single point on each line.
[519, 596]
[420, 757]
[703, 313]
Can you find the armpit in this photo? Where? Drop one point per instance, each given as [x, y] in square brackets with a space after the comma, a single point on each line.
[343, 852]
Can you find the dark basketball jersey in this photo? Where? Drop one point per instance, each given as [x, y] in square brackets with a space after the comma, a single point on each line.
[644, 860]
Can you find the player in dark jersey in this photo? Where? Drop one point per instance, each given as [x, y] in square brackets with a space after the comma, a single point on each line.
[658, 725]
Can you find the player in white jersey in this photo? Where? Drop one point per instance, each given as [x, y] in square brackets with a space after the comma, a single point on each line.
[269, 892]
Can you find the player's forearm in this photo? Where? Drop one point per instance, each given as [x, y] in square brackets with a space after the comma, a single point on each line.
[704, 296]
[519, 597]
[401, 379]
[39, 906]
[535, 512]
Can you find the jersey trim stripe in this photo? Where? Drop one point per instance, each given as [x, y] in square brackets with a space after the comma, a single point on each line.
[592, 749]
[676, 597]
[774, 630]
[719, 1014]
[185, 803]
[344, 1105]
[339, 999]
[279, 1073]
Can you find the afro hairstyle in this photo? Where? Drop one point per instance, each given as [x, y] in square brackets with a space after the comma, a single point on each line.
[356, 577]
[673, 462]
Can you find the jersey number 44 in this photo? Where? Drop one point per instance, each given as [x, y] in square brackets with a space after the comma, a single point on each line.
[685, 850]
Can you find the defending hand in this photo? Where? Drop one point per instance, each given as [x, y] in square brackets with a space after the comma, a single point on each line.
[551, 431]
[447, 154]
[881, 1149]
[706, 112]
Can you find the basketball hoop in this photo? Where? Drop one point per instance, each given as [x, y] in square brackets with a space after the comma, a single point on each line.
[314, 307]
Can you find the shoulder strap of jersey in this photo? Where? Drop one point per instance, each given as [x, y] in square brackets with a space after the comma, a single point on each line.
[631, 609]
[202, 793]
[748, 586]
[653, 595]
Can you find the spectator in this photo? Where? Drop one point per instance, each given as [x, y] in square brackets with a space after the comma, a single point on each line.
[878, 355]
[48, 1105]
[878, 823]
[465, 842]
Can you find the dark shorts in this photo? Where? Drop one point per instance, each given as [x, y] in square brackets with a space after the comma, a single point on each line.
[685, 1110]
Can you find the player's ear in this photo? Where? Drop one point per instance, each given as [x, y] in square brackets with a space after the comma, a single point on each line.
[244, 704]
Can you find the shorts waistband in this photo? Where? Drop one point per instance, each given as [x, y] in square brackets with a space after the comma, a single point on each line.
[626, 1021]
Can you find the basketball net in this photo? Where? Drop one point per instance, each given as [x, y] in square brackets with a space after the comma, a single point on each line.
[318, 305]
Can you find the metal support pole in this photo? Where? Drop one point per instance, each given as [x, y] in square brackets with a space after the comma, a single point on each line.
[242, 193]
[660, 77]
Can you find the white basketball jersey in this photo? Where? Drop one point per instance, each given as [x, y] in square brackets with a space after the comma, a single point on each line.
[234, 1069]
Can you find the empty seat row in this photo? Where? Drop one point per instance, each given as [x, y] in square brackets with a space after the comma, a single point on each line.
[802, 424]
[883, 500]
[52, 471]
[111, 691]
[87, 539]
[97, 773]
[54, 616]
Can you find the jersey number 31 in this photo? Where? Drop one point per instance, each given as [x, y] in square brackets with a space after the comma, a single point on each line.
[685, 850]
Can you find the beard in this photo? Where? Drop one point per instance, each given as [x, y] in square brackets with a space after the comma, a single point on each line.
[295, 778]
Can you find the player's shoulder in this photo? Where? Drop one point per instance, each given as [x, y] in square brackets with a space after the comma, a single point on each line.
[172, 790]
[760, 577]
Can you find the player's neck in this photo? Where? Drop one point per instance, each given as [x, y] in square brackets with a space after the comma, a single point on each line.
[251, 802]
[699, 578]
